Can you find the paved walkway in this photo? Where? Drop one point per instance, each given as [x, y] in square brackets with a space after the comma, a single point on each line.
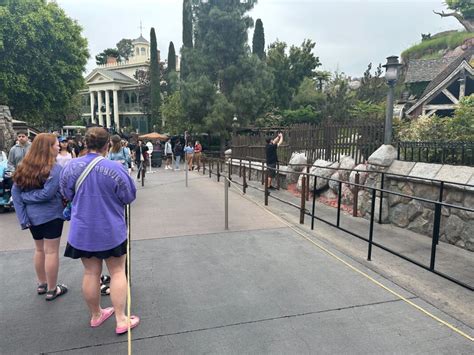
[257, 288]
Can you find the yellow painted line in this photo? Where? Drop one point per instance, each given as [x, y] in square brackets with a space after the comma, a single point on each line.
[421, 309]
[129, 293]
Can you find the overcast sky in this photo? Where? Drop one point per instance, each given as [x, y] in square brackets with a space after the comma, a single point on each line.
[349, 34]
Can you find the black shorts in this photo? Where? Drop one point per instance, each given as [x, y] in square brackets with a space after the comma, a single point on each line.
[75, 253]
[271, 170]
[49, 230]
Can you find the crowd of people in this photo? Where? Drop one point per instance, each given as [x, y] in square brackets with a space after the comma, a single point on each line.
[49, 175]
[86, 180]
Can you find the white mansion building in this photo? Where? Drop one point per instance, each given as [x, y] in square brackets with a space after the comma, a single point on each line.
[112, 96]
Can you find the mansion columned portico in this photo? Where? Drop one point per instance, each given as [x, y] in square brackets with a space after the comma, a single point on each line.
[112, 97]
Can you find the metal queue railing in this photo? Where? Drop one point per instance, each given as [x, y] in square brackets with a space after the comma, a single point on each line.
[215, 166]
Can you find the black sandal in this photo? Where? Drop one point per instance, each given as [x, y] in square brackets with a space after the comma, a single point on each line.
[104, 279]
[51, 295]
[42, 289]
[104, 290]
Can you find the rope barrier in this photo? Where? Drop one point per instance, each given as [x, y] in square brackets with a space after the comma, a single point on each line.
[129, 293]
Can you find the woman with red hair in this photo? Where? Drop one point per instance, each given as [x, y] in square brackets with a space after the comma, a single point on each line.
[39, 207]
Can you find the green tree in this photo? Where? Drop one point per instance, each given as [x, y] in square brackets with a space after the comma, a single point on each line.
[187, 37]
[155, 82]
[125, 48]
[221, 71]
[290, 70]
[42, 57]
[187, 24]
[101, 58]
[339, 99]
[176, 120]
[302, 62]
[463, 11]
[171, 58]
[372, 87]
[322, 77]
[279, 63]
[307, 94]
[258, 41]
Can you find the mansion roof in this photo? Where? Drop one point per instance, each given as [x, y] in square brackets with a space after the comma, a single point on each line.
[109, 76]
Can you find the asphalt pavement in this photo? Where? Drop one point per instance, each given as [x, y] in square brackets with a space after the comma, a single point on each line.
[259, 287]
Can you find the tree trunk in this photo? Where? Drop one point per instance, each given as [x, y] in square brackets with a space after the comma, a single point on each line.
[467, 23]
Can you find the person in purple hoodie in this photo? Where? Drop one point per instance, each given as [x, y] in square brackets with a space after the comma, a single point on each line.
[39, 207]
[98, 230]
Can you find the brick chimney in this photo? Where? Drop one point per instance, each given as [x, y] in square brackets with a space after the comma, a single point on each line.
[111, 60]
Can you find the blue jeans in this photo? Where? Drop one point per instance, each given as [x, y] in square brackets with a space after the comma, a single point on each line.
[176, 161]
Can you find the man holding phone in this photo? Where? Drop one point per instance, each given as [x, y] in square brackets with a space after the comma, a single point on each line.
[272, 157]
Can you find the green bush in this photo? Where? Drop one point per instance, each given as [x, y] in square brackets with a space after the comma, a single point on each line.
[460, 127]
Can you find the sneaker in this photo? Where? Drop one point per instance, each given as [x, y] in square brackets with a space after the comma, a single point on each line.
[271, 188]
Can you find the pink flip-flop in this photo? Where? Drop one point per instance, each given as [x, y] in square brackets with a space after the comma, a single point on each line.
[134, 320]
[104, 315]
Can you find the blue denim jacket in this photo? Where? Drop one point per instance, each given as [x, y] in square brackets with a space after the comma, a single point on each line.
[38, 206]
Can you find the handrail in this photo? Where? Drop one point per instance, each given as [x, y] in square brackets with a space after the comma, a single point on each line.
[304, 211]
[372, 171]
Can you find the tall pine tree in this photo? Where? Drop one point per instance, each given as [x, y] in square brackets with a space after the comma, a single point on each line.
[258, 41]
[187, 37]
[171, 58]
[155, 97]
[187, 24]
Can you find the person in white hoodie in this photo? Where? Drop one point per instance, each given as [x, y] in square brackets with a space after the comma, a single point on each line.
[168, 154]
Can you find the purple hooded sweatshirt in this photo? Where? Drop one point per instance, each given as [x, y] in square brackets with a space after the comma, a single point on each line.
[97, 219]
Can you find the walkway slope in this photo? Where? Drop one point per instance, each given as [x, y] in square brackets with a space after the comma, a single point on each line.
[257, 288]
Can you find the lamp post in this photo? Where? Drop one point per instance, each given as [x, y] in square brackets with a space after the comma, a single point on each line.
[391, 76]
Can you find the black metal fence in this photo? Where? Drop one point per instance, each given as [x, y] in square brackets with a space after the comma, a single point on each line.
[326, 141]
[454, 153]
[216, 168]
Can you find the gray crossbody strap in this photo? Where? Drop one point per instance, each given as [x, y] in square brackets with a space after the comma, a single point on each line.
[86, 171]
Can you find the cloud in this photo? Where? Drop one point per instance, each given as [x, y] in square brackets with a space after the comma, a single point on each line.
[349, 34]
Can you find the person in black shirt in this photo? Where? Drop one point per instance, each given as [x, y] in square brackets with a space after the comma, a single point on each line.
[272, 157]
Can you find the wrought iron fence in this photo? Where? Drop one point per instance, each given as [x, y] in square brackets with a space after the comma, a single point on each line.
[454, 153]
[327, 141]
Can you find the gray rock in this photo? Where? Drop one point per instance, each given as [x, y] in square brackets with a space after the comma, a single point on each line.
[423, 224]
[333, 184]
[346, 163]
[362, 175]
[453, 229]
[384, 156]
[385, 210]
[428, 192]
[467, 236]
[347, 196]
[469, 200]
[319, 169]
[415, 209]
[403, 189]
[454, 196]
[297, 161]
[7, 134]
[398, 215]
